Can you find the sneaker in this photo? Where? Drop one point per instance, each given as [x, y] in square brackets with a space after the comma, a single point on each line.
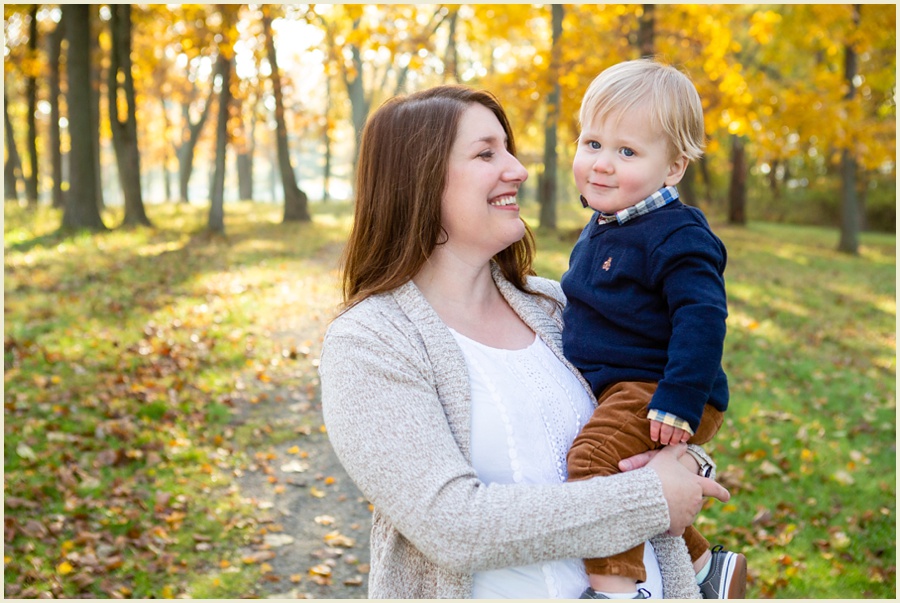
[727, 578]
[590, 593]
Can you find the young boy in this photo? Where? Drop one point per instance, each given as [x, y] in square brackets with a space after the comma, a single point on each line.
[646, 308]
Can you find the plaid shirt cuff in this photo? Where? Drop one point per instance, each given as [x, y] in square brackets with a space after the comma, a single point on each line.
[668, 418]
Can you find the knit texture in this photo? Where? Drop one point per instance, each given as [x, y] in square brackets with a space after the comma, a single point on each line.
[396, 402]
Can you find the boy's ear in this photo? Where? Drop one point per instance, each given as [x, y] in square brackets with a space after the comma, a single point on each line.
[676, 170]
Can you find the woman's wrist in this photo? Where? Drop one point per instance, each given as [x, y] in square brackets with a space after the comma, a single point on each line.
[696, 463]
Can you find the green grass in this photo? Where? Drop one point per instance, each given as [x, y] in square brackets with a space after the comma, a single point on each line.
[127, 353]
[808, 449]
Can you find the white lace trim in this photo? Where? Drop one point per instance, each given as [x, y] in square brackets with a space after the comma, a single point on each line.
[527, 408]
[541, 387]
[498, 400]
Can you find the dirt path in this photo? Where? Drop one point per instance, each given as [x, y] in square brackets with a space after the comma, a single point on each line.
[313, 522]
[316, 520]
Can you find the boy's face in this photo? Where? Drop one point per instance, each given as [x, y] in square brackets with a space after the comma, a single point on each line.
[622, 161]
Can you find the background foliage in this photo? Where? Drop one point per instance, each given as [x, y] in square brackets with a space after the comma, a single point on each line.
[128, 354]
[775, 78]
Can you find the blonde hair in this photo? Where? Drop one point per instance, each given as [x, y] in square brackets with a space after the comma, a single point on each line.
[666, 93]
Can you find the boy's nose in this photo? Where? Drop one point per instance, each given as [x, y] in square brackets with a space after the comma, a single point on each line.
[602, 163]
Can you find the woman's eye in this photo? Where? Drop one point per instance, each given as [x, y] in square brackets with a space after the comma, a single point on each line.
[628, 152]
[486, 154]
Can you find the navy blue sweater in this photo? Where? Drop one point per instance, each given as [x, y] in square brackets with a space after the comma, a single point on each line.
[646, 302]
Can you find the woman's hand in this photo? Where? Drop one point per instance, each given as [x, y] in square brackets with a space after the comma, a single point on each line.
[683, 490]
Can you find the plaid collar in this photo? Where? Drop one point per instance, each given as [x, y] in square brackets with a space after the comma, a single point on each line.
[660, 198]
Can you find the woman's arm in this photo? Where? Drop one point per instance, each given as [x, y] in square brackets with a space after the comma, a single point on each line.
[389, 428]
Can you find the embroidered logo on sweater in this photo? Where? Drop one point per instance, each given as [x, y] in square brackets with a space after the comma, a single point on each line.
[607, 264]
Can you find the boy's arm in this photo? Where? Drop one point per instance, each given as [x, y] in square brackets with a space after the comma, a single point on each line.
[688, 266]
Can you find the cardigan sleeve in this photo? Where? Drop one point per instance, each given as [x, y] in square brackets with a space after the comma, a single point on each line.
[678, 577]
[387, 425]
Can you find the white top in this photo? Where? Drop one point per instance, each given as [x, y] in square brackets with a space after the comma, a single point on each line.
[527, 408]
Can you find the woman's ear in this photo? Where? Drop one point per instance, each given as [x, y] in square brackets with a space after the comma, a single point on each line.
[676, 170]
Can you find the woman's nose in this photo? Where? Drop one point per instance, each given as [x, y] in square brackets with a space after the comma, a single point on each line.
[516, 172]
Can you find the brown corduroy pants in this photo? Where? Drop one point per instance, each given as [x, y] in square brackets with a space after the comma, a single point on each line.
[618, 429]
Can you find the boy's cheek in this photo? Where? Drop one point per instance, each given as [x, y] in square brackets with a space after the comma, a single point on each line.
[580, 167]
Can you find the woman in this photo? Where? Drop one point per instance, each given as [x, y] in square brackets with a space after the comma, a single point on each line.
[444, 388]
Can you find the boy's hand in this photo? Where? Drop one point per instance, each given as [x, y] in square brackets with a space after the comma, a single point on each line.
[666, 434]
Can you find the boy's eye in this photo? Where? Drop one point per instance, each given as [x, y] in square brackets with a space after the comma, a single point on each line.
[627, 152]
[594, 145]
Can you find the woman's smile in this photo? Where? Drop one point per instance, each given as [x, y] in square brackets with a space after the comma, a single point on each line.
[505, 201]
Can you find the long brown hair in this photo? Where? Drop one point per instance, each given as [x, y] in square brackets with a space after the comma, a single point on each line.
[401, 177]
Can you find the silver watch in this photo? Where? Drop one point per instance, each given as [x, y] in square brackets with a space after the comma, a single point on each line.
[706, 468]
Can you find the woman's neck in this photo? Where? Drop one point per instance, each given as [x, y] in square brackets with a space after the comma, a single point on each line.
[448, 281]
[468, 301]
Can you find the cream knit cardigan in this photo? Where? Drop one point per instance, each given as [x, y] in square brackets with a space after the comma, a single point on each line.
[396, 403]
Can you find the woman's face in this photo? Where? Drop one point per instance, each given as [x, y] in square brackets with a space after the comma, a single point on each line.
[479, 209]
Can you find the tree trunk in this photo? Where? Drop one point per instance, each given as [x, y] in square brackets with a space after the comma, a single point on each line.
[774, 185]
[96, 75]
[31, 182]
[737, 190]
[54, 48]
[167, 173]
[82, 209]
[850, 214]
[124, 133]
[243, 145]
[451, 57]
[216, 223]
[295, 200]
[687, 192]
[646, 30]
[326, 141]
[547, 193]
[863, 190]
[185, 151]
[359, 104]
[850, 219]
[254, 121]
[245, 175]
[273, 175]
[12, 167]
[703, 165]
